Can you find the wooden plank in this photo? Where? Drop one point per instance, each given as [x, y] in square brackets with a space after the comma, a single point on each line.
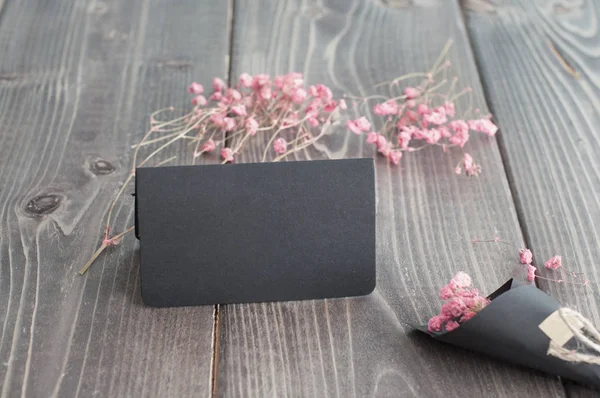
[78, 81]
[539, 64]
[426, 219]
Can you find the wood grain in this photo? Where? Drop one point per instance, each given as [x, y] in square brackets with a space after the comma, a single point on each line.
[539, 63]
[78, 81]
[426, 219]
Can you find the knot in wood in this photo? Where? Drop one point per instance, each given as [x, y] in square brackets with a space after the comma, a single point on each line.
[43, 204]
[101, 167]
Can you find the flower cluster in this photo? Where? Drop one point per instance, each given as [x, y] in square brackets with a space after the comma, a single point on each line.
[526, 258]
[462, 302]
[423, 116]
[293, 115]
[553, 263]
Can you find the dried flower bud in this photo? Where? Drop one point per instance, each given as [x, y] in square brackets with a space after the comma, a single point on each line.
[554, 262]
[525, 256]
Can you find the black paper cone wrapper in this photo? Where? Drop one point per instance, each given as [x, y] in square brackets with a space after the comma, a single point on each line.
[507, 329]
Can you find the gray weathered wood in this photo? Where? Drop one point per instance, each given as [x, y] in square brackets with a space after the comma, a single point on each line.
[539, 63]
[78, 81]
[426, 219]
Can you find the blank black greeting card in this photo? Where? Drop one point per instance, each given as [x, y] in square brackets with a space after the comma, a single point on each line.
[239, 233]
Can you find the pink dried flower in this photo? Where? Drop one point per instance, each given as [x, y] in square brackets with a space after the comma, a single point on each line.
[260, 80]
[199, 100]
[471, 168]
[395, 156]
[466, 293]
[411, 92]
[450, 326]
[324, 92]
[422, 109]
[227, 154]
[459, 139]
[247, 101]
[265, 93]
[462, 302]
[251, 125]
[402, 122]
[216, 96]
[435, 323]
[363, 123]
[313, 121]
[462, 279]
[417, 133]
[196, 88]
[404, 139]
[413, 131]
[554, 262]
[228, 124]
[280, 145]
[531, 272]
[454, 307]
[217, 119]
[218, 84]
[299, 96]
[239, 110]
[444, 131]
[467, 315]
[458, 170]
[432, 136]
[246, 80]
[279, 81]
[208, 146]
[343, 105]
[412, 116]
[330, 106]
[459, 126]
[233, 94]
[436, 116]
[485, 126]
[389, 107]
[291, 119]
[313, 107]
[382, 144]
[525, 256]
[359, 125]
[294, 80]
[447, 292]
[384, 149]
[372, 137]
[449, 107]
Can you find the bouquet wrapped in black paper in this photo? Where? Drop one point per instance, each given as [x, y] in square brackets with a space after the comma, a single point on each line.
[520, 324]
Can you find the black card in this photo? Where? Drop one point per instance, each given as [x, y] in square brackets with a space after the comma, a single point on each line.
[239, 233]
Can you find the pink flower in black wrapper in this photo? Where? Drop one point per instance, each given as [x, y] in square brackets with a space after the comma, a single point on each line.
[507, 326]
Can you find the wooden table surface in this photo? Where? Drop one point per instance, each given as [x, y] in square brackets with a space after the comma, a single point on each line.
[78, 80]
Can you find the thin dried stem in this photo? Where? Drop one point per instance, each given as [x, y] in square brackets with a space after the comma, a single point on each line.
[101, 249]
[91, 260]
[166, 161]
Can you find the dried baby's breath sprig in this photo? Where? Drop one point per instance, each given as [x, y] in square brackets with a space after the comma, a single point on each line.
[291, 115]
[424, 115]
[462, 302]
[553, 264]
